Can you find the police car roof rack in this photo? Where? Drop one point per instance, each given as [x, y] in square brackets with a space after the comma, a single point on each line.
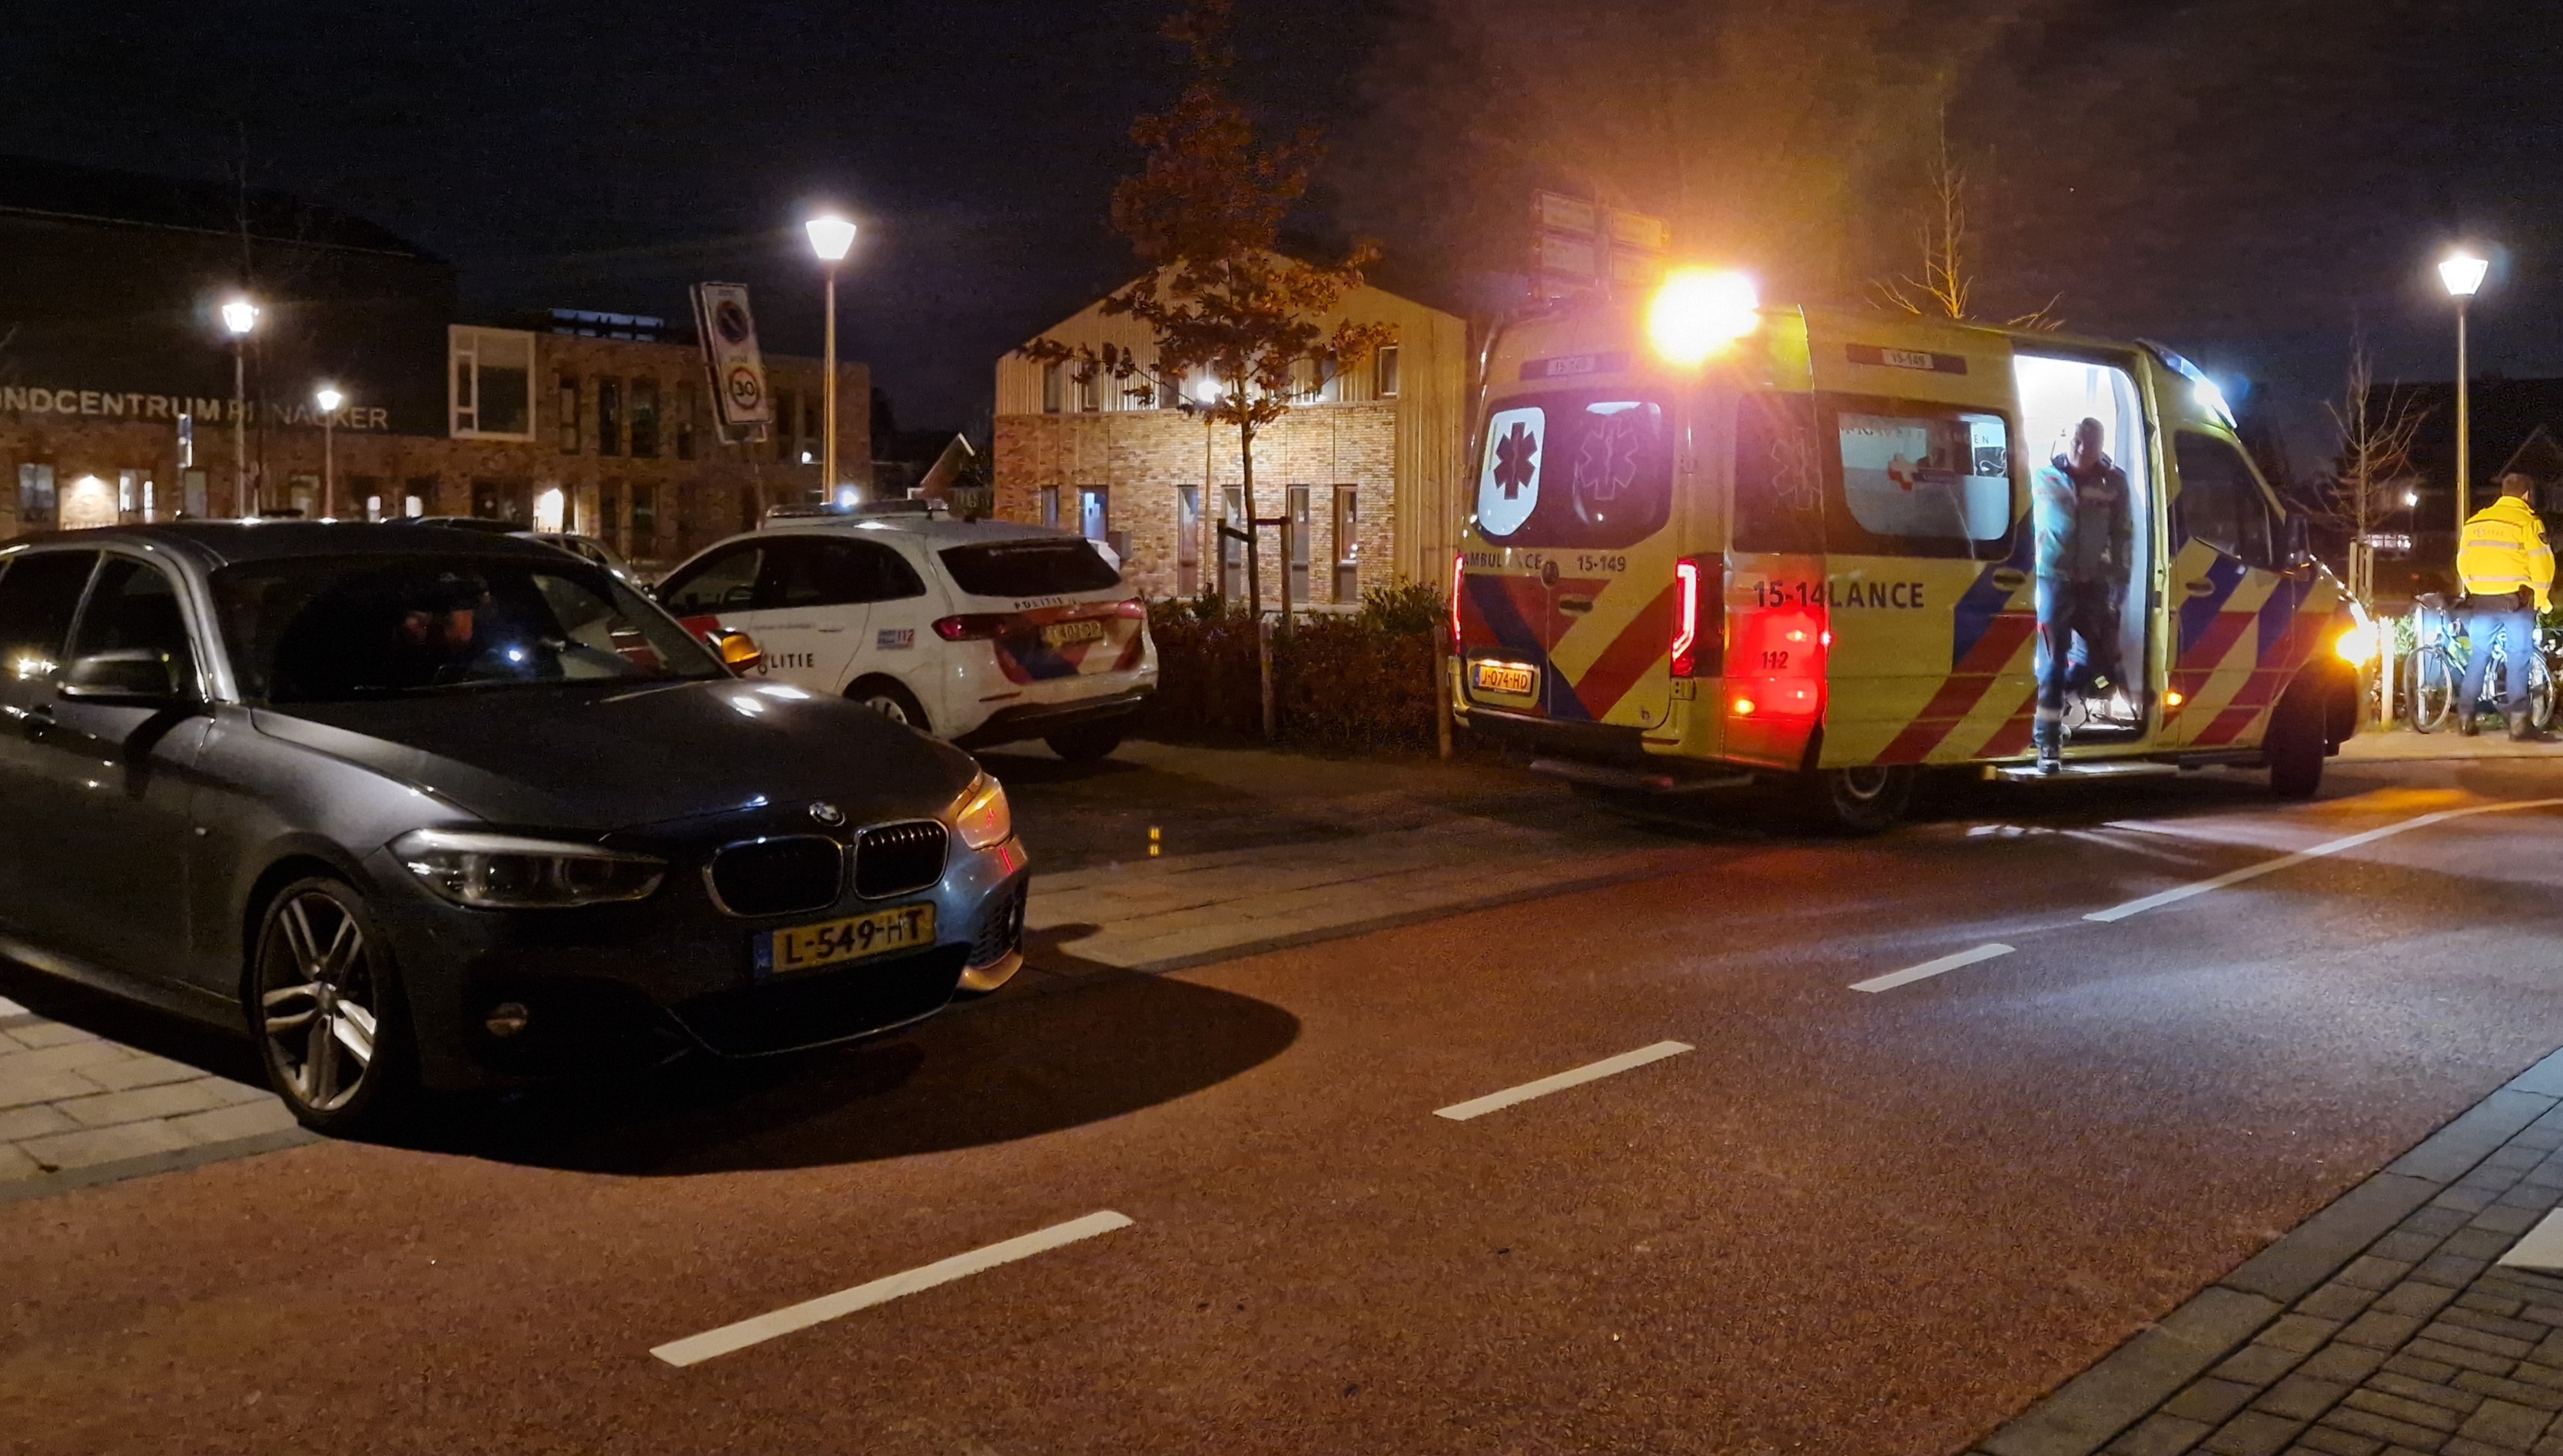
[863, 510]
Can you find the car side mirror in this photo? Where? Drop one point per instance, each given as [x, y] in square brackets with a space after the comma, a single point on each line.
[738, 652]
[136, 677]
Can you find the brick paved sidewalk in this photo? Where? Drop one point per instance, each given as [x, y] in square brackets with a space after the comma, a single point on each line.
[77, 1109]
[2384, 1326]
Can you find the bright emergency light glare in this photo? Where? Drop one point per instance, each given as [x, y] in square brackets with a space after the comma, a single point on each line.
[2358, 645]
[831, 237]
[2463, 272]
[240, 315]
[1699, 312]
[2211, 400]
[328, 399]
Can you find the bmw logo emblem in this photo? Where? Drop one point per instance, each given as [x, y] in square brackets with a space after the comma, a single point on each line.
[828, 814]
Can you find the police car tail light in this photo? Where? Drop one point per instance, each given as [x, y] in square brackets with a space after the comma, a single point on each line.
[973, 627]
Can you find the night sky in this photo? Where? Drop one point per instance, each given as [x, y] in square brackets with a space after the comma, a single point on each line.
[2240, 178]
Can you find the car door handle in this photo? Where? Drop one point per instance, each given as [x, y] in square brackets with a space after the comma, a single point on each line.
[1574, 603]
[2199, 586]
[2010, 579]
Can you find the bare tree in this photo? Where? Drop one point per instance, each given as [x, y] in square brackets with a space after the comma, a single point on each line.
[2374, 434]
[1946, 286]
[1222, 303]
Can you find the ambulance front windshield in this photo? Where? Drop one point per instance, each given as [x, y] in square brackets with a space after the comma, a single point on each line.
[1591, 468]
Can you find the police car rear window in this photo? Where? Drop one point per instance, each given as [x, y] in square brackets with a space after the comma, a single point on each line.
[1048, 567]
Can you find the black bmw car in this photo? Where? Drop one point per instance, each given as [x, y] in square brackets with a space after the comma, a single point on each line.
[432, 809]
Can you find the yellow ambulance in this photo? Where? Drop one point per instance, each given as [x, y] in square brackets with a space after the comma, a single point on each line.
[1712, 539]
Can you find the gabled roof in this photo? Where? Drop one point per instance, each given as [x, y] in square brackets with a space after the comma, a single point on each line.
[35, 187]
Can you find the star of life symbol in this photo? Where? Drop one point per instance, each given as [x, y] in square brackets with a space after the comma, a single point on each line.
[1508, 483]
[1608, 463]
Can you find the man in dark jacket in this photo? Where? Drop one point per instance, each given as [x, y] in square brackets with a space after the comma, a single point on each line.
[2085, 539]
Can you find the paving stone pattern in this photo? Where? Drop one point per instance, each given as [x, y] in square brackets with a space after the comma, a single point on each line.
[76, 1108]
[2419, 1343]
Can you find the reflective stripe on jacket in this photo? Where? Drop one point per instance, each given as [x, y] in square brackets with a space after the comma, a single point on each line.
[2505, 549]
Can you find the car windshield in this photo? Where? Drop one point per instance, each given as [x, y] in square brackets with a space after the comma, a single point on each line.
[330, 629]
[1043, 566]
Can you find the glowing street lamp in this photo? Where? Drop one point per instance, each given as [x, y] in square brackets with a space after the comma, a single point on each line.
[2463, 272]
[329, 399]
[240, 316]
[831, 237]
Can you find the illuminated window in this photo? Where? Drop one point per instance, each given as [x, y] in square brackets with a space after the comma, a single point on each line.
[645, 419]
[569, 414]
[609, 417]
[37, 504]
[1384, 373]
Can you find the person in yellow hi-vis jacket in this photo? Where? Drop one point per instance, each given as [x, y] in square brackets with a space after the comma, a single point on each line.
[2509, 574]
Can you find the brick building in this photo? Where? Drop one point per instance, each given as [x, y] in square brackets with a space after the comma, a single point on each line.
[110, 286]
[1367, 467]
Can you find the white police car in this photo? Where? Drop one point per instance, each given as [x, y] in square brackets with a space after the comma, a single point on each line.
[978, 631]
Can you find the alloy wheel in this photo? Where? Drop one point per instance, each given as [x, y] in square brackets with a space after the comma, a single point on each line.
[318, 998]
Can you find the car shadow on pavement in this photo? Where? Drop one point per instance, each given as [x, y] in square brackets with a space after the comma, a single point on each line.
[220, 1051]
[998, 1071]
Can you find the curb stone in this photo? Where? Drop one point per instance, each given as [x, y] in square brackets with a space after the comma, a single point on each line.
[2160, 1362]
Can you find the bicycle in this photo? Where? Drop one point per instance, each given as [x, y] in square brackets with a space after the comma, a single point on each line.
[2438, 671]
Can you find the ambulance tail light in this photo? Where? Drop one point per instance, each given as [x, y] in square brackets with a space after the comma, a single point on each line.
[1459, 559]
[1700, 618]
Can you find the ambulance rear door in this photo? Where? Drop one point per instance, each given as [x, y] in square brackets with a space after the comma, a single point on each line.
[1567, 586]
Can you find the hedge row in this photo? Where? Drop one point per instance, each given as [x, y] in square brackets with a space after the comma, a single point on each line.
[1359, 680]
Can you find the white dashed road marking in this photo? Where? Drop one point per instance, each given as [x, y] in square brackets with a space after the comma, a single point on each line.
[695, 1349]
[1608, 1066]
[2271, 867]
[1929, 969]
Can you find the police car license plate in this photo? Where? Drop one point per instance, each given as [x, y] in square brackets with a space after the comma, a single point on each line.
[799, 948]
[1517, 678]
[1070, 634]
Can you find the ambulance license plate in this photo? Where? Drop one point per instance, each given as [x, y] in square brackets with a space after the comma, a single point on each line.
[799, 948]
[1519, 678]
[1070, 634]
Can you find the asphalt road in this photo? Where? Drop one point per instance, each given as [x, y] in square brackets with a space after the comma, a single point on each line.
[1841, 1221]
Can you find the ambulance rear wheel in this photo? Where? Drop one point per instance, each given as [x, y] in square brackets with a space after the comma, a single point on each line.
[1858, 801]
[2295, 750]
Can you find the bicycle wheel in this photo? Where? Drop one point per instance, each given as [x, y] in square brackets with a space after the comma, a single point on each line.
[2540, 694]
[2432, 691]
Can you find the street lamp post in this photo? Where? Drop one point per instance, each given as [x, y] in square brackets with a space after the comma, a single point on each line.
[240, 316]
[831, 237]
[329, 399]
[2463, 272]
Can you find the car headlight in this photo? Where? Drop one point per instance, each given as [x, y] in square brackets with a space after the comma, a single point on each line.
[982, 818]
[504, 872]
[2358, 646]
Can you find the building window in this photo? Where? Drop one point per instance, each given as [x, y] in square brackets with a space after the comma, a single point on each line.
[421, 495]
[128, 492]
[609, 417]
[1049, 506]
[37, 504]
[1231, 551]
[1170, 392]
[1052, 388]
[1095, 512]
[609, 514]
[1187, 540]
[645, 518]
[1089, 391]
[1384, 373]
[686, 397]
[191, 493]
[1306, 382]
[814, 429]
[1347, 544]
[493, 383]
[780, 432]
[1298, 508]
[645, 419]
[569, 414]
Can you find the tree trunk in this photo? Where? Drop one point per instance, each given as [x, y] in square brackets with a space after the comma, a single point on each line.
[1254, 569]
